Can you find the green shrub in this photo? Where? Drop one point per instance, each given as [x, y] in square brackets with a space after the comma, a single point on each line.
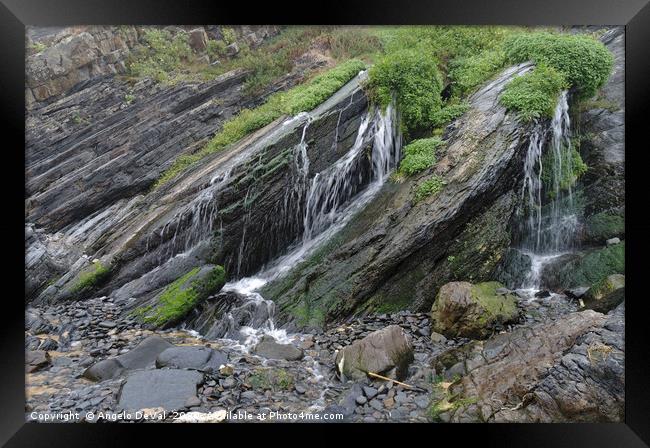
[412, 76]
[534, 94]
[92, 278]
[449, 113]
[181, 296]
[428, 188]
[419, 155]
[216, 48]
[353, 42]
[584, 61]
[228, 35]
[467, 73]
[299, 99]
[161, 55]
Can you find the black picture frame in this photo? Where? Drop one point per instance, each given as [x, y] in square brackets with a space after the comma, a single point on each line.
[633, 14]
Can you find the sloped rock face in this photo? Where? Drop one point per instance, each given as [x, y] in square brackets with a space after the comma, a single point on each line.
[603, 149]
[214, 212]
[385, 256]
[500, 377]
[587, 385]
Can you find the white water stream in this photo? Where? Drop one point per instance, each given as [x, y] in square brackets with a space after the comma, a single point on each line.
[550, 227]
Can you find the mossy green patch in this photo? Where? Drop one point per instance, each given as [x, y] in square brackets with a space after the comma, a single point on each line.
[92, 278]
[494, 304]
[181, 296]
[429, 187]
[593, 267]
[419, 155]
[534, 94]
[274, 379]
[606, 286]
[604, 225]
[569, 169]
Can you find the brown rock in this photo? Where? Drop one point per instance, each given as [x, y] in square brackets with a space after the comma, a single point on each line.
[386, 352]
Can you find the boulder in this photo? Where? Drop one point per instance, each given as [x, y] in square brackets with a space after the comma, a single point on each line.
[141, 356]
[603, 288]
[199, 358]
[270, 348]
[169, 389]
[104, 370]
[145, 353]
[473, 311]
[232, 49]
[612, 241]
[198, 39]
[387, 352]
[576, 293]
[608, 302]
[37, 360]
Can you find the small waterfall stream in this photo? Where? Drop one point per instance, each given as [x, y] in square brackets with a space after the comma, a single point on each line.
[552, 219]
[331, 198]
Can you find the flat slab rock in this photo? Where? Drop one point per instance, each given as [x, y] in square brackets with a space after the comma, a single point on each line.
[498, 375]
[141, 356]
[200, 358]
[169, 389]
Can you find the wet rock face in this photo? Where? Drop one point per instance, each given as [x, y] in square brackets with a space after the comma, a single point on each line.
[387, 352]
[472, 311]
[480, 163]
[603, 149]
[507, 377]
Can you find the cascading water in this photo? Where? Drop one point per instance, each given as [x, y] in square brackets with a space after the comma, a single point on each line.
[550, 227]
[332, 198]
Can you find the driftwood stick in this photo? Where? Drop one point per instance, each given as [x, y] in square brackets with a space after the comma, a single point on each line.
[376, 375]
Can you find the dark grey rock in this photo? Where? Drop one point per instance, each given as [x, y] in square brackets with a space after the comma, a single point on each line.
[270, 348]
[104, 370]
[200, 358]
[167, 388]
[145, 353]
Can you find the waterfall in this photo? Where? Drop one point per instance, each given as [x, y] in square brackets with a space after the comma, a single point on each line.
[551, 217]
[334, 196]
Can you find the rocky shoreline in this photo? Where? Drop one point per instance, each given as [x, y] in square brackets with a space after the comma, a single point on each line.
[67, 342]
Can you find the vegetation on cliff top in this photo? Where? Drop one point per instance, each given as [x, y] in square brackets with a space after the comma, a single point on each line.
[301, 98]
[563, 61]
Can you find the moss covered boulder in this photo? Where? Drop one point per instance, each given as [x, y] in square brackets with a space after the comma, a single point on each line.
[606, 294]
[182, 295]
[462, 309]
